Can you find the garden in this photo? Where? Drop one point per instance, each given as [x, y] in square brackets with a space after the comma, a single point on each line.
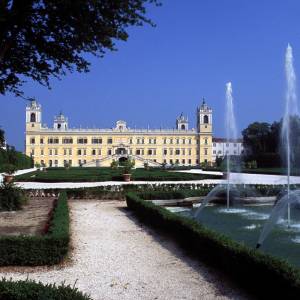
[261, 274]
[93, 174]
[46, 240]
[33, 232]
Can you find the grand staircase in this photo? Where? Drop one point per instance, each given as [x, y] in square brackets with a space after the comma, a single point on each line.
[116, 157]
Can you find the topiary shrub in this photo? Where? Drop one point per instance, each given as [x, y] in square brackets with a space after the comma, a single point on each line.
[11, 197]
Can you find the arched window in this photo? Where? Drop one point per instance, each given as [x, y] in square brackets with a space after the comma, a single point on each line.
[32, 118]
[182, 127]
[205, 119]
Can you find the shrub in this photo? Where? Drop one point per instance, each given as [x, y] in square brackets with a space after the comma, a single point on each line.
[114, 164]
[265, 160]
[9, 168]
[128, 165]
[48, 249]
[263, 275]
[11, 197]
[11, 156]
[29, 289]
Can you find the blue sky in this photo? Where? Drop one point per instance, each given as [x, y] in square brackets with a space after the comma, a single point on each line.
[196, 47]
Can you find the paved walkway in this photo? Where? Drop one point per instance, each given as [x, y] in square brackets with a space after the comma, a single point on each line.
[114, 257]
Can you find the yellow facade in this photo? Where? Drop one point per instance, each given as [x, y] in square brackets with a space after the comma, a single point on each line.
[60, 145]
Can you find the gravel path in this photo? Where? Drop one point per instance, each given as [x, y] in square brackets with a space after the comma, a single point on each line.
[115, 257]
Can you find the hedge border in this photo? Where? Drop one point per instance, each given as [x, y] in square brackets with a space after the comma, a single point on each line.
[46, 249]
[30, 289]
[154, 191]
[260, 274]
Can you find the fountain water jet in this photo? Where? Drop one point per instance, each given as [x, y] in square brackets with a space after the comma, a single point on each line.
[231, 131]
[291, 109]
[231, 134]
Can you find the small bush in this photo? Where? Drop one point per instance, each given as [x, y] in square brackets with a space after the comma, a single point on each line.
[11, 197]
[29, 289]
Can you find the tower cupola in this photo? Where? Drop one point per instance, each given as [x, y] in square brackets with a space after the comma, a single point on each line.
[33, 115]
[204, 118]
[60, 122]
[182, 122]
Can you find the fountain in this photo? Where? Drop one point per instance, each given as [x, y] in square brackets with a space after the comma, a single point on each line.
[230, 190]
[231, 132]
[289, 198]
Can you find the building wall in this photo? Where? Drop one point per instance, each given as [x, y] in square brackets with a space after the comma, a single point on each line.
[221, 148]
[49, 146]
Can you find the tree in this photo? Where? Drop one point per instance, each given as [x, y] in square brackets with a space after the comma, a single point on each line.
[2, 138]
[261, 137]
[43, 38]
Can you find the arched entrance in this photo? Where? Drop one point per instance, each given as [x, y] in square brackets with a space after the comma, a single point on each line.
[123, 160]
[121, 151]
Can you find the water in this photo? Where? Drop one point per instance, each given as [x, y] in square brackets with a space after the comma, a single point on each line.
[289, 198]
[244, 224]
[231, 133]
[291, 108]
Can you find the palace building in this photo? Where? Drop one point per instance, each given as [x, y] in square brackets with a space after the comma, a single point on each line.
[61, 145]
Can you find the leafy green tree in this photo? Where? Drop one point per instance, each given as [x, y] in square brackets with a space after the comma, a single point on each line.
[261, 137]
[2, 137]
[43, 38]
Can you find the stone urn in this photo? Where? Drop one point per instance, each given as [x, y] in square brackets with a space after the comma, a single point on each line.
[127, 177]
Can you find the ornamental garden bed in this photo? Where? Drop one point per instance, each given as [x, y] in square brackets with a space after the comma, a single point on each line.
[30, 220]
[108, 174]
[37, 248]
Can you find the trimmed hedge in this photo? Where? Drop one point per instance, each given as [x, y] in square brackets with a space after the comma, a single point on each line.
[155, 191]
[29, 289]
[263, 275]
[47, 249]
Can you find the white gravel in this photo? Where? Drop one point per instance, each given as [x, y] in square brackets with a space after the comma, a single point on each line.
[115, 257]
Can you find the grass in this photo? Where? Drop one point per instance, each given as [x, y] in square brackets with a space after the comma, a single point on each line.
[107, 174]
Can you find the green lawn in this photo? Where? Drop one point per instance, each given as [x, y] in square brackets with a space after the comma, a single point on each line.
[270, 171]
[107, 174]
